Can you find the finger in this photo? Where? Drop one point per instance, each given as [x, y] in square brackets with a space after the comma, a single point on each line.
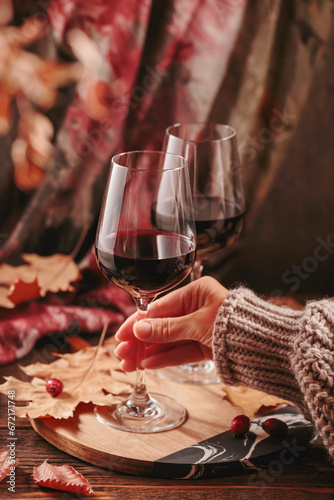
[129, 349]
[152, 349]
[160, 356]
[126, 349]
[127, 352]
[169, 329]
[129, 364]
[173, 304]
[162, 307]
[188, 298]
[174, 354]
[125, 331]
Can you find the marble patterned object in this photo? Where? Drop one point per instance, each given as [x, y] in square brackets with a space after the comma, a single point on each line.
[226, 455]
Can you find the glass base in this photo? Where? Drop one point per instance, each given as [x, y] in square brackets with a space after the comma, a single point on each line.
[161, 414]
[201, 373]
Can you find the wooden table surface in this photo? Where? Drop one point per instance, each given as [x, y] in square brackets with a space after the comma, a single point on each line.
[311, 476]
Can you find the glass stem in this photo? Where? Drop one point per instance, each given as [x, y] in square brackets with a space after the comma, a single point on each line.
[196, 272]
[140, 398]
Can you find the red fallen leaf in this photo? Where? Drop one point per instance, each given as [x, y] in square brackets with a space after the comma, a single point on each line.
[62, 477]
[21, 291]
[6, 464]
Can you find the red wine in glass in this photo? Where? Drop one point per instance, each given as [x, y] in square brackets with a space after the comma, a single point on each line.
[146, 262]
[218, 223]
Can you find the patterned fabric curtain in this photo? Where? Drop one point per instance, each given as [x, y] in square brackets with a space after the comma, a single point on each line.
[82, 80]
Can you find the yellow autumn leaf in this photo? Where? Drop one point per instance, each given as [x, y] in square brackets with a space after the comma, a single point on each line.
[86, 378]
[252, 401]
[53, 273]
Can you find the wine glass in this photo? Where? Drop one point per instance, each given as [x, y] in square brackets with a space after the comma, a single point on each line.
[215, 175]
[145, 261]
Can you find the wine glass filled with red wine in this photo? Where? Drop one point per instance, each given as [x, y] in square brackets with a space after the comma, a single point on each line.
[145, 261]
[215, 175]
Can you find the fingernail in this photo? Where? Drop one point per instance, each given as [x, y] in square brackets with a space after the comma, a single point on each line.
[115, 352]
[143, 329]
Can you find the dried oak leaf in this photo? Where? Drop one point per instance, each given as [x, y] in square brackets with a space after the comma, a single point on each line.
[252, 401]
[41, 275]
[54, 273]
[6, 464]
[86, 377]
[61, 477]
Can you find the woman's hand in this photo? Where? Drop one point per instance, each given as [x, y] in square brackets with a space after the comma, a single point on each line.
[178, 330]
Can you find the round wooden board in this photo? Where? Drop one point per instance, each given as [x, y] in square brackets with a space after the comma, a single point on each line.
[202, 446]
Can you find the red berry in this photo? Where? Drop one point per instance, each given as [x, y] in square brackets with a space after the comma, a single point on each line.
[54, 386]
[240, 425]
[275, 427]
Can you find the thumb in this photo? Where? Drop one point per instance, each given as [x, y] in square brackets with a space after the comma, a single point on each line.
[163, 330]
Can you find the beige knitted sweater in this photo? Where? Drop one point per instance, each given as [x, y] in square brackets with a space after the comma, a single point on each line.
[280, 351]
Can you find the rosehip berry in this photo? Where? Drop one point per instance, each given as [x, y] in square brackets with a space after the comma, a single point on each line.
[275, 427]
[240, 425]
[54, 386]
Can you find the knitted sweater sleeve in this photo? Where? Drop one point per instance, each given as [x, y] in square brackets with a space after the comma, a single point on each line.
[280, 351]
